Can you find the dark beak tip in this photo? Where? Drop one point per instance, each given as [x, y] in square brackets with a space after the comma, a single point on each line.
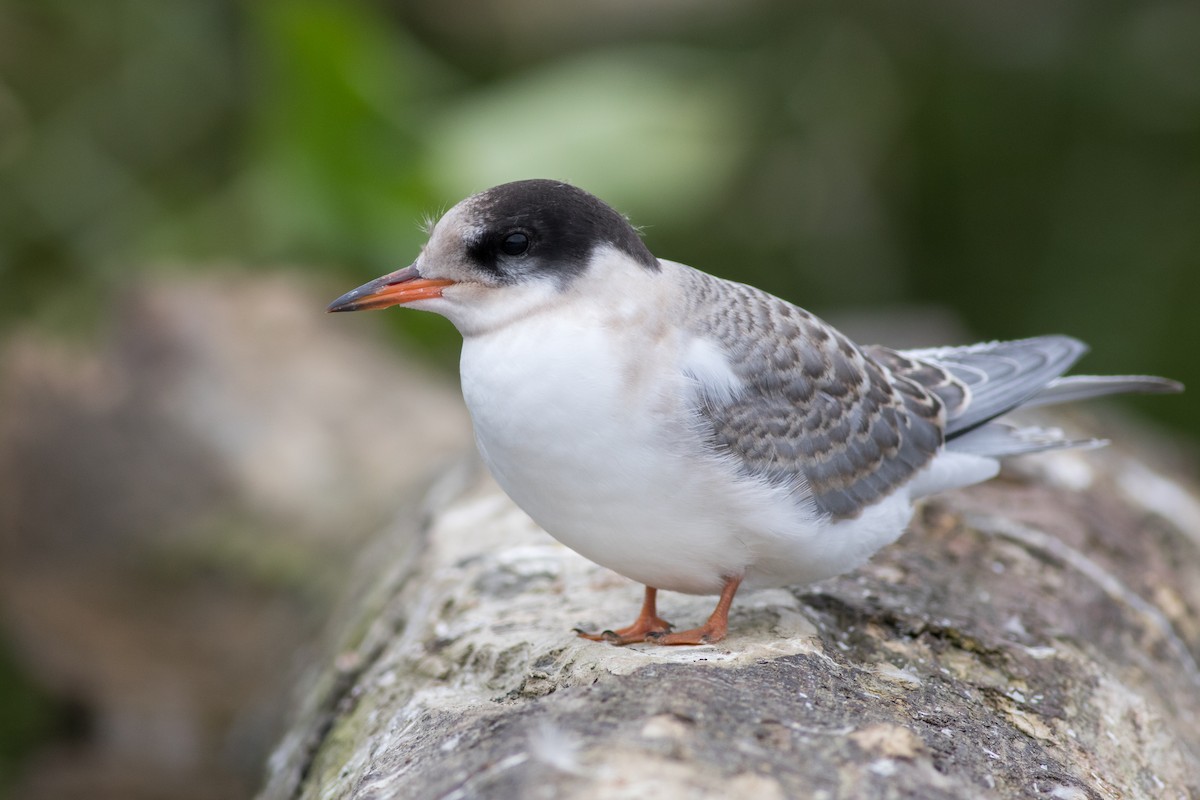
[347, 302]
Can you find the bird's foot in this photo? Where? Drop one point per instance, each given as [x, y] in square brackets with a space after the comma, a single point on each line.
[647, 624]
[708, 633]
[644, 629]
[649, 627]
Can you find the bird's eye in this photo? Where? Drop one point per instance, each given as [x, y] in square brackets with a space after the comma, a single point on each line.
[514, 244]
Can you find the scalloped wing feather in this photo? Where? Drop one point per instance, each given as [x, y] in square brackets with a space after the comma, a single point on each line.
[812, 410]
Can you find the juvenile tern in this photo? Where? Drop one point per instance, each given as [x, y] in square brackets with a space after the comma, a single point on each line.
[695, 434]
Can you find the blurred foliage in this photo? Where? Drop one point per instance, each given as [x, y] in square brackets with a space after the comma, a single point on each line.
[1035, 167]
[30, 717]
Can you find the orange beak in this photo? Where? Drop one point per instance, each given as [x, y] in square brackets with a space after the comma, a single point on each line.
[395, 288]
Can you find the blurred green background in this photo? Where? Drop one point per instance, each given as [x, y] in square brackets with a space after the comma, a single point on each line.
[1032, 167]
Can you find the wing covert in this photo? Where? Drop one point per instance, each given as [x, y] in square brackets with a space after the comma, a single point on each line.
[813, 411]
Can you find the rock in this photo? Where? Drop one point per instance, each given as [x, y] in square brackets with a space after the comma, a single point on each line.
[1033, 636]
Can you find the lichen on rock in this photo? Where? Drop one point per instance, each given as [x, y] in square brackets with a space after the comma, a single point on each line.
[1012, 644]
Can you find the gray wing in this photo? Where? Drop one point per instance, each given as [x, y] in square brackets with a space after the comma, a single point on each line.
[812, 410]
[981, 382]
[997, 376]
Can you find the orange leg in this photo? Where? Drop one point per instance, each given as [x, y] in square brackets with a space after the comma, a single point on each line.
[647, 624]
[712, 631]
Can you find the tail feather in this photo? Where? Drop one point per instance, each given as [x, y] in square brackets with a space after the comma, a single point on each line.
[1085, 387]
[999, 439]
[1001, 376]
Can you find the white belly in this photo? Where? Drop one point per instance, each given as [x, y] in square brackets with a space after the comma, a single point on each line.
[560, 419]
[603, 459]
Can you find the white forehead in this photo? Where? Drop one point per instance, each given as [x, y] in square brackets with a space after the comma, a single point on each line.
[462, 219]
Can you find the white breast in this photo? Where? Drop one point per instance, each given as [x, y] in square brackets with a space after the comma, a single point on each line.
[572, 427]
[584, 414]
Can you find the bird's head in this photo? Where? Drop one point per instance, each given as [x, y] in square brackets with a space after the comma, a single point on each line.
[504, 252]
